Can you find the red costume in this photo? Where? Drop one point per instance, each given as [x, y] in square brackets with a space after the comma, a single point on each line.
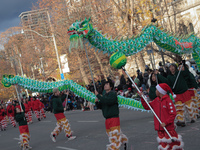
[26, 111]
[36, 108]
[10, 114]
[3, 123]
[30, 112]
[42, 110]
[166, 112]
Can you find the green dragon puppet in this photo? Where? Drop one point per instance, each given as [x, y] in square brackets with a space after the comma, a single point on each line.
[180, 45]
[47, 87]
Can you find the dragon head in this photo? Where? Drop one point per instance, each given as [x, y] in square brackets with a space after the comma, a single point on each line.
[77, 31]
[80, 29]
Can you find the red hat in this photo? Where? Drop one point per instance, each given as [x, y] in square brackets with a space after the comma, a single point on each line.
[163, 88]
[129, 88]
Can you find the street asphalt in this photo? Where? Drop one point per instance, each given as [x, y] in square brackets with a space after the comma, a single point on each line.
[89, 127]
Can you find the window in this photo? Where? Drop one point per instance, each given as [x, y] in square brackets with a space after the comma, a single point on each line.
[191, 27]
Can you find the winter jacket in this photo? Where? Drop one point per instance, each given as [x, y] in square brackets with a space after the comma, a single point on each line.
[10, 110]
[164, 109]
[152, 92]
[191, 82]
[20, 118]
[181, 85]
[108, 102]
[57, 103]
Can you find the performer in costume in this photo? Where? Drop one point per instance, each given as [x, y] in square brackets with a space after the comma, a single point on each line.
[191, 105]
[30, 111]
[2, 115]
[10, 113]
[62, 122]
[23, 127]
[165, 110]
[3, 118]
[108, 102]
[25, 102]
[36, 109]
[41, 106]
[181, 91]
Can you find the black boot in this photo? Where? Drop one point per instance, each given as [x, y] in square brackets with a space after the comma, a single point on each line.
[192, 121]
[125, 146]
[179, 123]
[183, 124]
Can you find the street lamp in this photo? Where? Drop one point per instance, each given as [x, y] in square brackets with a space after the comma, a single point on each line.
[54, 42]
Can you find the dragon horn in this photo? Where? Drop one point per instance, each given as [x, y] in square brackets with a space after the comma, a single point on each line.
[127, 38]
[170, 34]
[100, 31]
[180, 37]
[116, 38]
[167, 32]
[105, 35]
[121, 38]
[132, 37]
[110, 38]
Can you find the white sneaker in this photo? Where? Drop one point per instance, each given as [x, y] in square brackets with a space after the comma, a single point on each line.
[28, 148]
[71, 138]
[53, 138]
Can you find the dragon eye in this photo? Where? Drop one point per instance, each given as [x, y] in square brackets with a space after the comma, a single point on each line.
[82, 24]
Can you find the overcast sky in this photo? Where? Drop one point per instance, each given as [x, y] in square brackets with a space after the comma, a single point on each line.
[10, 11]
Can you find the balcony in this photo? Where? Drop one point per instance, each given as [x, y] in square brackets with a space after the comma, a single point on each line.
[183, 5]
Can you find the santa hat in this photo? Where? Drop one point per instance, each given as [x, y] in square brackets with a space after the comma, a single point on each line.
[163, 88]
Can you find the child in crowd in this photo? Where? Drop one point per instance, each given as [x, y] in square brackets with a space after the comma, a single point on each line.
[165, 110]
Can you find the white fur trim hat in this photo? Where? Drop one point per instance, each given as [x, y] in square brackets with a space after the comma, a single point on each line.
[163, 88]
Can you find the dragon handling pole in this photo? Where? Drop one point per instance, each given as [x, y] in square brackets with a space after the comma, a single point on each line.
[148, 105]
[90, 67]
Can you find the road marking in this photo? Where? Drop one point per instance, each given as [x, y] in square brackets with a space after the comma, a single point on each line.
[150, 142]
[87, 121]
[46, 121]
[17, 139]
[65, 148]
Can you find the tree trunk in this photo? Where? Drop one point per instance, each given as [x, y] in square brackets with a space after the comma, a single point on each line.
[100, 64]
[83, 74]
[137, 67]
[141, 62]
[168, 16]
